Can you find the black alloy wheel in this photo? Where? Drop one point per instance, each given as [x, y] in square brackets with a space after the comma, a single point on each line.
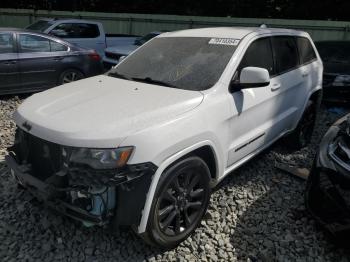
[181, 201]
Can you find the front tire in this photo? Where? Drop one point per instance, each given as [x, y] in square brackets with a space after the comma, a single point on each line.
[180, 202]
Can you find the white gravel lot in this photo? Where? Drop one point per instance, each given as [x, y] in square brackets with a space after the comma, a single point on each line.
[256, 214]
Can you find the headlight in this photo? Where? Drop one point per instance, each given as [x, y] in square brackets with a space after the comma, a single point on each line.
[342, 80]
[102, 158]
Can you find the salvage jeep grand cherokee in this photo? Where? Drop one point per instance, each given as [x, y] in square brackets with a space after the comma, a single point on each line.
[144, 144]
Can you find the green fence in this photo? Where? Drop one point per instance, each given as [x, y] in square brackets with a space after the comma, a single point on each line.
[143, 23]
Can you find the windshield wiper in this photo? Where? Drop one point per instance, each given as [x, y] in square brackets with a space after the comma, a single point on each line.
[149, 80]
[115, 74]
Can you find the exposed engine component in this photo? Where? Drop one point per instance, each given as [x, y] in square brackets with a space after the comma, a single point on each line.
[97, 200]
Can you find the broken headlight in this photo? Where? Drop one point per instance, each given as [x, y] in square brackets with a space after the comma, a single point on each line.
[101, 158]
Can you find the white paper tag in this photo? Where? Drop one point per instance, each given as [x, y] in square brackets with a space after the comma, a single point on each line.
[223, 41]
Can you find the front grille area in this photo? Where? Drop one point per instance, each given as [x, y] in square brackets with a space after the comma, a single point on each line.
[42, 157]
[113, 56]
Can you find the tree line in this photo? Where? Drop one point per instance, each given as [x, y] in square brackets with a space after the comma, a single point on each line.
[285, 9]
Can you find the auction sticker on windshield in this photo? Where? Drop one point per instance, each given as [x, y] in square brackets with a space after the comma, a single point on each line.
[223, 41]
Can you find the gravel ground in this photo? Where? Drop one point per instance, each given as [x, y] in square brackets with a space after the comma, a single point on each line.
[256, 214]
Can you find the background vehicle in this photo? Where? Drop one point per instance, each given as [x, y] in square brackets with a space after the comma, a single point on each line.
[87, 34]
[144, 144]
[32, 61]
[336, 77]
[328, 187]
[114, 53]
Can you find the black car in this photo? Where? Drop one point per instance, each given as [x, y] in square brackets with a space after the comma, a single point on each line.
[328, 186]
[336, 78]
[31, 61]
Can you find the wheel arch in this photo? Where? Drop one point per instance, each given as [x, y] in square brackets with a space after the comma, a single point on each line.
[205, 150]
[206, 153]
[316, 96]
[70, 68]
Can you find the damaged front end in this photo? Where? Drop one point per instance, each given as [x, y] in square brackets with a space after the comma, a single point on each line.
[89, 185]
[328, 187]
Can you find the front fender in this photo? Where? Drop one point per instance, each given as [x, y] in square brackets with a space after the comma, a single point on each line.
[166, 163]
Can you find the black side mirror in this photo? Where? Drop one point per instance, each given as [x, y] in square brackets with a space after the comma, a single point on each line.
[235, 86]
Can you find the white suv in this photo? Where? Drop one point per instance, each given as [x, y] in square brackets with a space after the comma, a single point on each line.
[144, 144]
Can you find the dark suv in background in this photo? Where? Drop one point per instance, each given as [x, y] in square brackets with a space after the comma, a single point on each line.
[336, 78]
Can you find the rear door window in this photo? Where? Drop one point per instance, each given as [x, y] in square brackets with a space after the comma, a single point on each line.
[306, 50]
[259, 54]
[76, 30]
[6, 43]
[286, 53]
[86, 30]
[33, 43]
[64, 30]
[57, 47]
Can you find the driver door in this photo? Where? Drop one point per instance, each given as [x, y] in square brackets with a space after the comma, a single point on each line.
[253, 122]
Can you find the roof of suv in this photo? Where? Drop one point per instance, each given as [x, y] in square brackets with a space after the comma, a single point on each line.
[225, 32]
[67, 20]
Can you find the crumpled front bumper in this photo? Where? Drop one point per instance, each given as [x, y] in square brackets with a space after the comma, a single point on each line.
[328, 187]
[49, 194]
[131, 188]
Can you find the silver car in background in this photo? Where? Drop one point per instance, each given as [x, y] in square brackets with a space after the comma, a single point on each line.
[115, 53]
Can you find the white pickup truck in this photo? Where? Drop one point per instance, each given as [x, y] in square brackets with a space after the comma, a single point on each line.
[88, 34]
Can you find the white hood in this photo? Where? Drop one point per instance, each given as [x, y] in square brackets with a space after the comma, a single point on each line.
[100, 112]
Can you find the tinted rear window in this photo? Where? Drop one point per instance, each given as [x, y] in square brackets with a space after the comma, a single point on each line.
[82, 30]
[306, 51]
[334, 52]
[286, 53]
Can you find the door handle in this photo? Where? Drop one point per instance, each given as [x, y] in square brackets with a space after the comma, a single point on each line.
[57, 58]
[275, 87]
[305, 74]
[10, 62]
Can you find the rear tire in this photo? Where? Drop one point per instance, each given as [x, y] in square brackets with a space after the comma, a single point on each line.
[302, 134]
[180, 202]
[70, 75]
